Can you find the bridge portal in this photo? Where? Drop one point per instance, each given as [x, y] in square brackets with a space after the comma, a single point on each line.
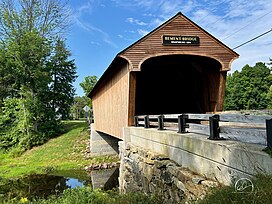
[176, 68]
[173, 84]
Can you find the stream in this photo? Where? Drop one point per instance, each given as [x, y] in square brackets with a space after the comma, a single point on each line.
[44, 185]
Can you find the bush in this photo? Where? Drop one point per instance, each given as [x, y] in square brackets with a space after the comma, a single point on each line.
[20, 129]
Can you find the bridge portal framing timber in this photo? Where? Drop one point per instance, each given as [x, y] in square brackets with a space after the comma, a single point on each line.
[177, 68]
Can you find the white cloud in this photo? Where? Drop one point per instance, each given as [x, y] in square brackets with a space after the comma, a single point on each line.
[237, 22]
[88, 8]
[142, 32]
[105, 36]
[136, 21]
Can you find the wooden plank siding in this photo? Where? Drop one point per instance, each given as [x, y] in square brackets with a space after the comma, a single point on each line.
[110, 104]
[151, 45]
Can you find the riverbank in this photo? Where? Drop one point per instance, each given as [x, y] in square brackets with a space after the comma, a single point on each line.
[65, 152]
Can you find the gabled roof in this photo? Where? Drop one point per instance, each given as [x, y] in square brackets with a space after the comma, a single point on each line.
[117, 57]
[168, 21]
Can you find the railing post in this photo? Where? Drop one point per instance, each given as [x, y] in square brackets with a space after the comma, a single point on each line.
[160, 122]
[136, 121]
[182, 119]
[214, 127]
[146, 121]
[269, 133]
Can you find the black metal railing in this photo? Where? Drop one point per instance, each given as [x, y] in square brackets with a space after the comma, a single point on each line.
[241, 127]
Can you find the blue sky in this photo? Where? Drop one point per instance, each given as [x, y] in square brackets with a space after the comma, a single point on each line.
[102, 28]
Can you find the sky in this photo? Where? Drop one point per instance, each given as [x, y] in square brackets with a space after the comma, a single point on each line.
[100, 29]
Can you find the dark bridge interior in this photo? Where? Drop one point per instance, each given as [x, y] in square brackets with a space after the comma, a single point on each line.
[177, 84]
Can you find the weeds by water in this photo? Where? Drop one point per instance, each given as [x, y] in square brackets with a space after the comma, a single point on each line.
[86, 195]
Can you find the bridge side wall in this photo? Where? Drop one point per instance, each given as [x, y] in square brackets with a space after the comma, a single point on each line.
[110, 103]
[223, 161]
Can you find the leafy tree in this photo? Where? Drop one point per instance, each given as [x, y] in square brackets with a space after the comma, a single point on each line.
[269, 94]
[248, 89]
[269, 98]
[48, 18]
[88, 84]
[77, 108]
[33, 66]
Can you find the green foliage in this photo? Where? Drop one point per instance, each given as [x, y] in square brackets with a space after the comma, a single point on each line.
[262, 193]
[17, 127]
[63, 74]
[81, 195]
[88, 84]
[269, 98]
[77, 108]
[12, 125]
[248, 89]
[36, 75]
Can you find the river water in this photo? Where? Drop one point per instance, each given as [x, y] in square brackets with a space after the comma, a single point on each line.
[43, 185]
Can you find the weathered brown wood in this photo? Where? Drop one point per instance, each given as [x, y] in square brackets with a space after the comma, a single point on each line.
[132, 95]
[221, 93]
[110, 104]
[179, 25]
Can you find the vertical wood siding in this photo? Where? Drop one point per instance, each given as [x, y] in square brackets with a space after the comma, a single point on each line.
[110, 103]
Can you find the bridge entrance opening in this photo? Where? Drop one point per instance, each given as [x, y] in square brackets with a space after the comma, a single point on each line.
[177, 84]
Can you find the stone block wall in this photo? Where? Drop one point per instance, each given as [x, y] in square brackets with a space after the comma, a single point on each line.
[155, 174]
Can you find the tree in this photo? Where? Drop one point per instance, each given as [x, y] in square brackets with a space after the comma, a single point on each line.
[248, 89]
[63, 74]
[32, 60]
[49, 18]
[269, 94]
[88, 84]
[269, 98]
[77, 108]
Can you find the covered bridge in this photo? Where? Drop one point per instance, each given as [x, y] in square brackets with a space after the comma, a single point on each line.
[176, 68]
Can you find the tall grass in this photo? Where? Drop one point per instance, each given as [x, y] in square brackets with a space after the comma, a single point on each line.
[262, 193]
[81, 195]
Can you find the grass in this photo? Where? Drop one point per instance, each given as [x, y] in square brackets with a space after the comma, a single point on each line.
[64, 152]
[87, 196]
[262, 193]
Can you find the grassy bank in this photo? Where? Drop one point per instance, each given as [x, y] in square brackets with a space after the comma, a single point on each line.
[67, 151]
[261, 194]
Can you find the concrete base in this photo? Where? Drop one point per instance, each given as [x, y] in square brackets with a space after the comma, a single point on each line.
[224, 161]
[103, 144]
[106, 179]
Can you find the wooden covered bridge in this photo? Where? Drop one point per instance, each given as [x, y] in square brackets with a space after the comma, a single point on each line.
[177, 68]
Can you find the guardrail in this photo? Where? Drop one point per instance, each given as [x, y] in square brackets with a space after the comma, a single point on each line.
[241, 127]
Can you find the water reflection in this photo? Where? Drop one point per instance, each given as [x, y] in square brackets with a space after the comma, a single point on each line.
[43, 185]
[37, 185]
